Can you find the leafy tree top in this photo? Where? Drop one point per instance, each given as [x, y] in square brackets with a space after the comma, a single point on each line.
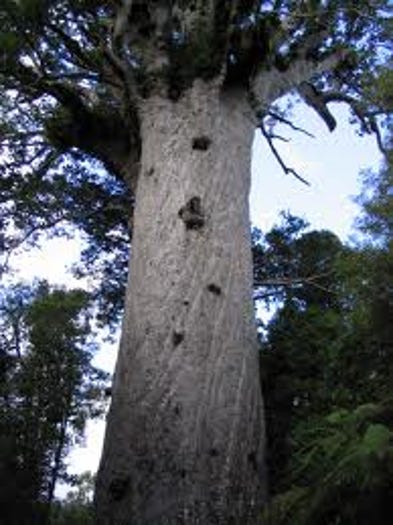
[75, 75]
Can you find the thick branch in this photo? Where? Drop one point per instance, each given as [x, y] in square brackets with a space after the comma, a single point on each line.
[100, 130]
[317, 101]
[102, 133]
[270, 85]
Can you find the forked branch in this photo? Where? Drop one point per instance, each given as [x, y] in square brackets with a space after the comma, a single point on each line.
[366, 117]
[287, 170]
[287, 122]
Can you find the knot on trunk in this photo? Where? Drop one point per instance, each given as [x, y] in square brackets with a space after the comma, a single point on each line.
[202, 143]
[177, 338]
[214, 288]
[118, 488]
[192, 214]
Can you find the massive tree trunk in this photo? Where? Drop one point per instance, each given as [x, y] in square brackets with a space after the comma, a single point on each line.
[185, 433]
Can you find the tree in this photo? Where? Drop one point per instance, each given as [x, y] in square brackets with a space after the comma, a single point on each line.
[48, 390]
[77, 507]
[327, 365]
[166, 96]
[297, 271]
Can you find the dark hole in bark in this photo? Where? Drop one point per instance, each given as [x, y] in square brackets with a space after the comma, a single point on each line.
[108, 391]
[252, 458]
[213, 288]
[150, 172]
[177, 338]
[213, 452]
[201, 143]
[182, 473]
[118, 488]
[174, 93]
[186, 303]
[177, 410]
[192, 214]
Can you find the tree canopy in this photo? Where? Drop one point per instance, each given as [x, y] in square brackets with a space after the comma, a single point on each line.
[74, 75]
[48, 390]
[326, 365]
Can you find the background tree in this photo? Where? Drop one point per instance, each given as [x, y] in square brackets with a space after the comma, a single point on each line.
[77, 507]
[166, 97]
[327, 375]
[297, 272]
[48, 390]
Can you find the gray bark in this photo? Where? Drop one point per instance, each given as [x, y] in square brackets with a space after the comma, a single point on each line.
[185, 433]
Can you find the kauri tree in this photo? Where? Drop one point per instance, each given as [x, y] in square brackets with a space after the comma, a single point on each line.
[139, 116]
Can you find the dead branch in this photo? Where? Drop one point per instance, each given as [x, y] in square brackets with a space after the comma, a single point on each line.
[287, 170]
[289, 123]
[287, 282]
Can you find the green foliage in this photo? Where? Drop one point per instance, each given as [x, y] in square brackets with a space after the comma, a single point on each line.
[69, 124]
[48, 389]
[77, 507]
[341, 470]
[376, 200]
[293, 265]
[326, 369]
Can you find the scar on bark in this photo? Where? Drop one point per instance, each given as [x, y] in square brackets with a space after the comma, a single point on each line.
[201, 143]
[177, 338]
[253, 460]
[150, 172]
[118, 488]
[213, 288]
[192, 214]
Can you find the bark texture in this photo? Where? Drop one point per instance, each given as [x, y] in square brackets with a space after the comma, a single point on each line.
[185, 434]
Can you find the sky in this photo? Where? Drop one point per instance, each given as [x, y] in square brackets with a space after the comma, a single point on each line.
[331, 162]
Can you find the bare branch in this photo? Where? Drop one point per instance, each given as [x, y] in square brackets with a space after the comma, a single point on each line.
[287, 282]
[367, 118]
[287, 170]
[274, 136]
[289, 123]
